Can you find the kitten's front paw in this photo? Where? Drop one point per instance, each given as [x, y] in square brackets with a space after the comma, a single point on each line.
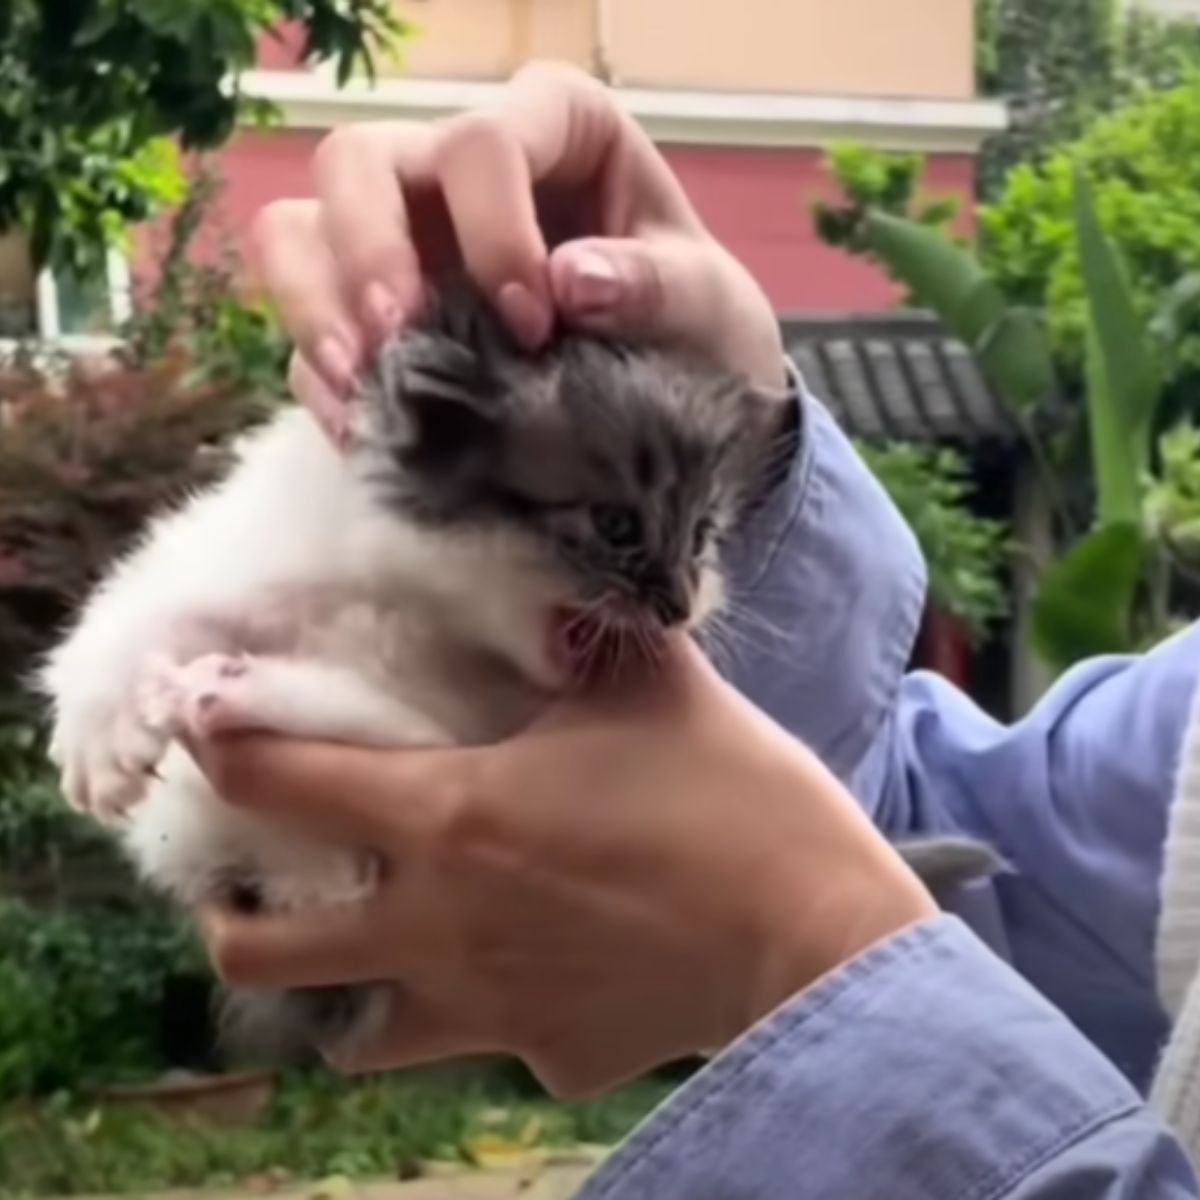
[108, 752]
[215, 692]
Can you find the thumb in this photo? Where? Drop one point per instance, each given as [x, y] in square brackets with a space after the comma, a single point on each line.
[672, 288]
[632, 286]
[343, 793]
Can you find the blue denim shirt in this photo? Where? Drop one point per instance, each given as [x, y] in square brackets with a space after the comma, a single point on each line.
[929, 1068]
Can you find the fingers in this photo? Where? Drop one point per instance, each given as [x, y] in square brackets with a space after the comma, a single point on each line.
[347, 794]
[575, 135]
[318, 948]
[497, 225]
[662, 288]
[346, 269]
[311, 389]
[362, 174]
[297, 267]
[670, 287]
[417, 1032]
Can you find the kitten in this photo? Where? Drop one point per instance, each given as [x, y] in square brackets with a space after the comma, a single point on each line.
[405, 593]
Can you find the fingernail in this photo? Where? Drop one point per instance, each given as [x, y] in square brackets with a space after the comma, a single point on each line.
[527, 318]
[336, 366]
[381, 310]
[593, 283]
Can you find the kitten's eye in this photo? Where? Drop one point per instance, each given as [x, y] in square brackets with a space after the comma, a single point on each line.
[618, 524]
[701, 534]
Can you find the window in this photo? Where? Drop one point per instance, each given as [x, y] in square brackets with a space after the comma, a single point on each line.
[72, 309]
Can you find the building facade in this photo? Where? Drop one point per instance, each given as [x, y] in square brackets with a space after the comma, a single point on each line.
[742, 100]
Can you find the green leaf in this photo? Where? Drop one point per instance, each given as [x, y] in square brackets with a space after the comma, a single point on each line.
[1114, 461]
[1009, 343]
[1015, 357]
[1084, 603]
[1177, 313]
[1120, 348]
[940, 274]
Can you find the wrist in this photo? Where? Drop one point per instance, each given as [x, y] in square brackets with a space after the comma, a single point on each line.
[841, 892]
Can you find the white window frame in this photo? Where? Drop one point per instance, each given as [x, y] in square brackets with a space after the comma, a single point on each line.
[120, 302]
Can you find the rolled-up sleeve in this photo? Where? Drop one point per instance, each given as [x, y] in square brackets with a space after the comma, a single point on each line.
[827, 589]
[926, 1069]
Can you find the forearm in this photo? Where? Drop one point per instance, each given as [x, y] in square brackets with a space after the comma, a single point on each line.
[923, 1068]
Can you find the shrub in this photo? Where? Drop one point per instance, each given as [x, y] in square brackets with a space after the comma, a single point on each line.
[82, 992]
[1144, 167]
[965, 553]
[1062, 63]
[90, 448]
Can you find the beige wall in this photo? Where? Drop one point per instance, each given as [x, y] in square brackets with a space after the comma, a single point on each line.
[914, 48]
[486, 39]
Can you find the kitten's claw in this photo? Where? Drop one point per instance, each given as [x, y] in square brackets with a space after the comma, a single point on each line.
[214, 694]
[109, 754]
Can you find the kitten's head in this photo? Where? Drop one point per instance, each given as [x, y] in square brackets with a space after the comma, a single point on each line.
[619, 471]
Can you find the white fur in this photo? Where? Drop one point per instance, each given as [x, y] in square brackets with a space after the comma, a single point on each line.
[291, 599]
[287, 599]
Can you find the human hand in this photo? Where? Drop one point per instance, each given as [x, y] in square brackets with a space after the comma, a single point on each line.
[556, 202]
[640, 876]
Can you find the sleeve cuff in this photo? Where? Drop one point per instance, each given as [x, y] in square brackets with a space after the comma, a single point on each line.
[924, 1067]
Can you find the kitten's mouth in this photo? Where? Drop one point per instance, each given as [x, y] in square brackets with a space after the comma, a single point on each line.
[598, 641]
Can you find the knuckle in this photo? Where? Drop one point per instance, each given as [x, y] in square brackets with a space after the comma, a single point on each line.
[340, 148]
[464, 821]
[275, 225]
[647, 289]
[467, 134]
[547, 73]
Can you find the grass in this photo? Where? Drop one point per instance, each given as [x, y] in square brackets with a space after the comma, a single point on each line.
[317, 1127]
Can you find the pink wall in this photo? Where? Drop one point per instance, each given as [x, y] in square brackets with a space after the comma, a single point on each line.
[754, 200]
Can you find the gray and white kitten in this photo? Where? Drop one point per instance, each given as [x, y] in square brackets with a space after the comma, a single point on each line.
[405, 593]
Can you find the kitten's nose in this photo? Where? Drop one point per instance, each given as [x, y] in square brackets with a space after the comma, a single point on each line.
[670, 605]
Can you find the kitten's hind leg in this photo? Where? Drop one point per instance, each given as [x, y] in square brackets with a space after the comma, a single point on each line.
[304, 699]
[301, 698]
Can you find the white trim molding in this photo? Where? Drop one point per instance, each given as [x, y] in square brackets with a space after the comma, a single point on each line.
[311, 101]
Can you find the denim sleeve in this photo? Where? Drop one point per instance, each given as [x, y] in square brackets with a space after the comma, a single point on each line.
[1077, 797]
[828, 591]
[825, 595]
[926, 1069]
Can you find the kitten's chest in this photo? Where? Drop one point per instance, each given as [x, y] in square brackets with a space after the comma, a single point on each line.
[410, 651]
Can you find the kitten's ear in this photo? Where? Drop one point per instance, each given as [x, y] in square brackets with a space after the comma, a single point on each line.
[767, 437]
[445, 396]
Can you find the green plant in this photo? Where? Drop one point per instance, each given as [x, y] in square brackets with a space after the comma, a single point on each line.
[1143, 164]
[1110, 590]
[90, 448]
[1062, 63]
[91, 91]
[39, 834]
[196, 303]
[81, 992]
[1171, 506]
[876, 181]
[318, 1128]
[965, 553]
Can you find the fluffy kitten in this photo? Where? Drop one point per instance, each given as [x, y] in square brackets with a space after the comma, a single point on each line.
[405, 592]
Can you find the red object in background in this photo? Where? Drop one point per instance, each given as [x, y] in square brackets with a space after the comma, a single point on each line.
[943, 646]
[756, 201]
